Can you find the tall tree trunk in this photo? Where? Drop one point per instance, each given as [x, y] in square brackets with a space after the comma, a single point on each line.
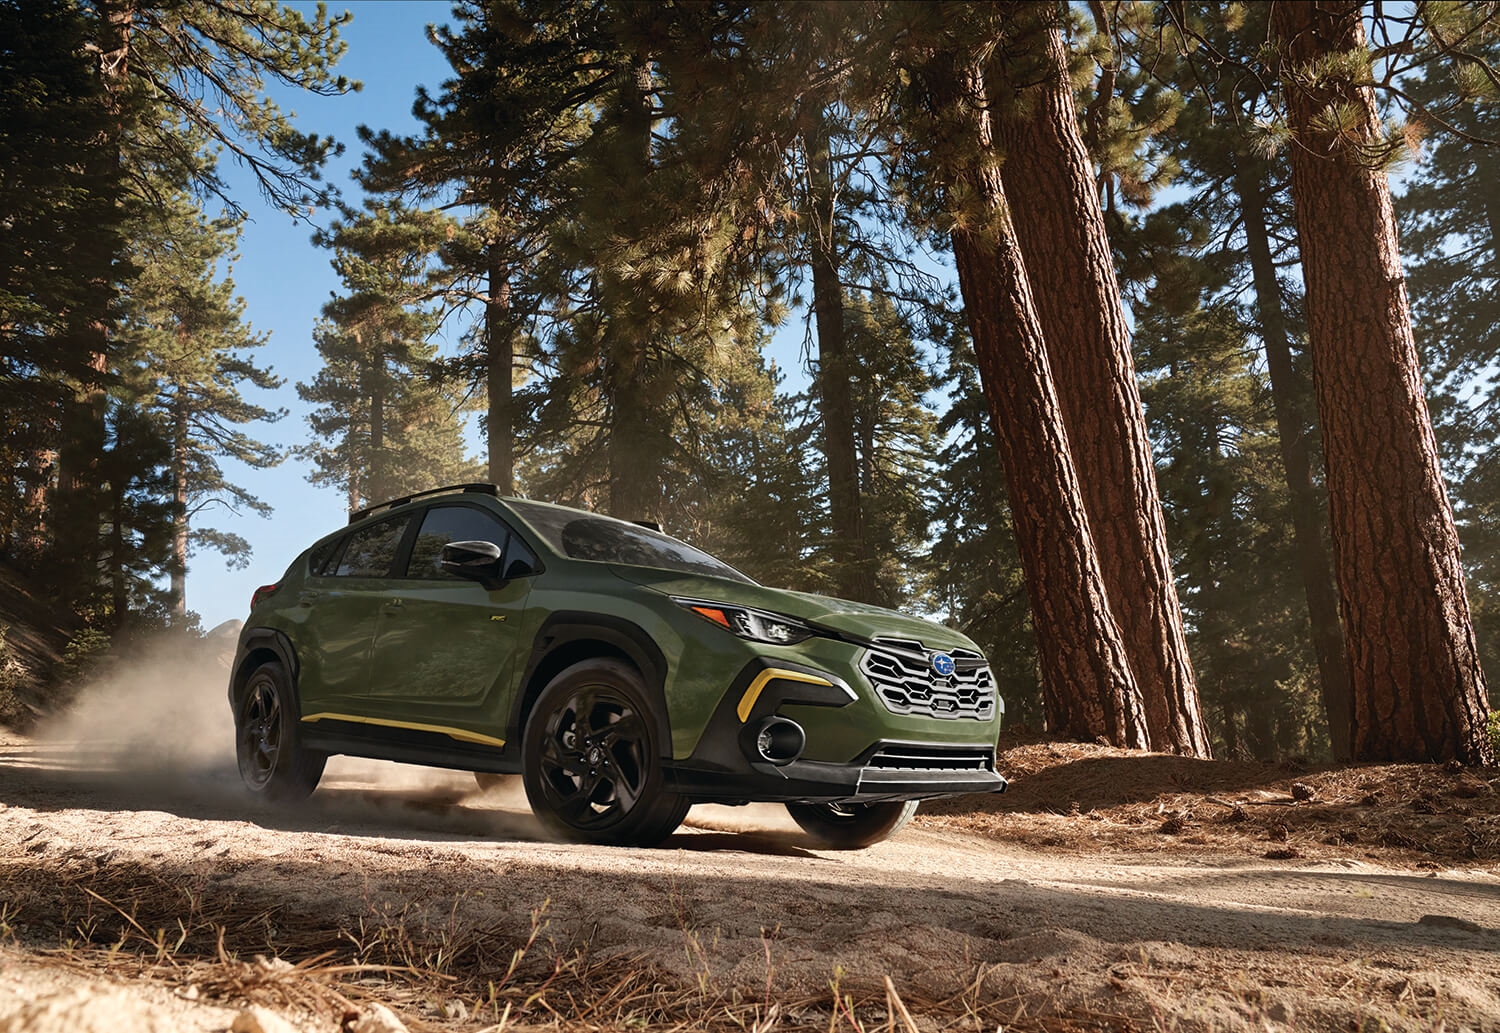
[1296, 461]
[1049, 178]
[376, 488]
[36, 504]
[1087, 685]
[1418, 690]
[634, 462]
[179, 503]
[835, 394]
[498, 421]
[80, 505]
[119, 588]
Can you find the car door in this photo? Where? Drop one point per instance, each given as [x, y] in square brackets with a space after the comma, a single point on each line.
[343, 601]
[445, 647]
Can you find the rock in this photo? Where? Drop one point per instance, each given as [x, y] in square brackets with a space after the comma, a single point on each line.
[1450, 922]
[256, 1019]
[375, 1018]
[85, 1010]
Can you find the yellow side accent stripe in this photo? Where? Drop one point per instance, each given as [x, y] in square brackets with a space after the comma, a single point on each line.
[452, 733]
[747, 701]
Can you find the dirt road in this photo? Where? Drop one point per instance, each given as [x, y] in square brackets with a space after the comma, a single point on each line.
[399, 865]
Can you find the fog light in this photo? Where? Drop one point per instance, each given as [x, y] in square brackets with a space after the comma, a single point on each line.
[779, 740]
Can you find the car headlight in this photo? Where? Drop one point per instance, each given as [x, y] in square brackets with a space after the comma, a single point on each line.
[755, 625]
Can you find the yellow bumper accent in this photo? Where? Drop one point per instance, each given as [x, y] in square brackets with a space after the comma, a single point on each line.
[452, 733]
[747, 701]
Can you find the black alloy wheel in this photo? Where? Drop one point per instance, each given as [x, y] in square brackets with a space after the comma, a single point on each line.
[593, 767]
[272, 760]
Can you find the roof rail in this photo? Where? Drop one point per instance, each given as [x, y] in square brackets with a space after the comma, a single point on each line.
[475, 488]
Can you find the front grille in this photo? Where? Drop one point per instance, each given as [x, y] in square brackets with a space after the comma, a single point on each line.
[900, 671]
[933, 758]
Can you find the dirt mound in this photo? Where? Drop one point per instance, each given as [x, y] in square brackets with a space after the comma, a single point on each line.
[1079, 798]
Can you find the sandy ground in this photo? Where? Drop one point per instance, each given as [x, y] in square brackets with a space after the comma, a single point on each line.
[133, 809]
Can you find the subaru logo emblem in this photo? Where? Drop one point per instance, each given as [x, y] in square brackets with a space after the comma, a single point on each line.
[942, 665]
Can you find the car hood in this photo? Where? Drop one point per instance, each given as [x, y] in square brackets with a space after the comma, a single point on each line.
[859, 620]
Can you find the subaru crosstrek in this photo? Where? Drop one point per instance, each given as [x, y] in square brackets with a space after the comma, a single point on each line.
[623, 673]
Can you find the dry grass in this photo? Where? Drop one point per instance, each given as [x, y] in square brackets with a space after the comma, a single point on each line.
[440, 973]
[1087, 799]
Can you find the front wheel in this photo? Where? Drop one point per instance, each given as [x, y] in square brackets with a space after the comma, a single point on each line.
[272, 761]
[851, 826]
[593, 760]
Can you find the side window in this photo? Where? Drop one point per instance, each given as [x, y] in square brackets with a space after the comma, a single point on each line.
[318, 560]
[372, 550]
[444, 524]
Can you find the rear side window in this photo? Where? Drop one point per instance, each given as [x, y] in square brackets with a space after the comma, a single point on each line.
[372, 550]
[318, 558]
[445, 524]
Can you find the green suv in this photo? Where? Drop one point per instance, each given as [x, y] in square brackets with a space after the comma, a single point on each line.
[623, 673]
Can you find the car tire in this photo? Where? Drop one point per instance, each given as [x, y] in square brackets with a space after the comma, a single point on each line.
[593, 759]
[852, 826]
[267, 738]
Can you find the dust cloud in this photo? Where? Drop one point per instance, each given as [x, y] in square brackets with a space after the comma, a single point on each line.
[154, 730]
[159, 714]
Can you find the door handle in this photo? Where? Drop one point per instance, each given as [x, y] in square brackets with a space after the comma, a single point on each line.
[393, 606]
[307, 598]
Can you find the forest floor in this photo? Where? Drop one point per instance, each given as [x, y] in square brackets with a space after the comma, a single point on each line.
[1106, 890]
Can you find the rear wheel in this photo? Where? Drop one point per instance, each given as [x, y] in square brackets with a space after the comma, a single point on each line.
[273, 763]
[850, 826]
[592, 759]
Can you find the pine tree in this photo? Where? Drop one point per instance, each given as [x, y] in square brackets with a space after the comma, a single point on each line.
[1241, 226]
[382, 427]
[1418, 689]
[1450, 235]
[1086, 679]
[976, 576]
[1060, 225]
[60, 250]
[492, 144]
[187, 346]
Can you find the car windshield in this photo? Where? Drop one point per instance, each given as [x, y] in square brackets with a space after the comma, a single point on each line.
[586, 536]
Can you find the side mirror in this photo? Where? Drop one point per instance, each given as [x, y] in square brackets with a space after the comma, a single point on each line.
[473, 561]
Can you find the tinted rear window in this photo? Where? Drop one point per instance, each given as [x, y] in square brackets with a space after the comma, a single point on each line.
[587, 536]
[372, 550]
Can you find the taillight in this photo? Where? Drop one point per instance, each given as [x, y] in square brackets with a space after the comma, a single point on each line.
[264, 591]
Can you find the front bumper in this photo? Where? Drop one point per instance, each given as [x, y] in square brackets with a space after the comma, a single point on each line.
[887, 771]
[725, 767]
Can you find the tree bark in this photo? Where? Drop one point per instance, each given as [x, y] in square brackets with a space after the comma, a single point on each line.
[1088, 689]
[634, 467]
[79, 500]
[378, 490]
[498, 421]
[1418, 690]
[835, 394]
[179, 504]
[1296, 461]
[119, 589]
[1049, 179]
